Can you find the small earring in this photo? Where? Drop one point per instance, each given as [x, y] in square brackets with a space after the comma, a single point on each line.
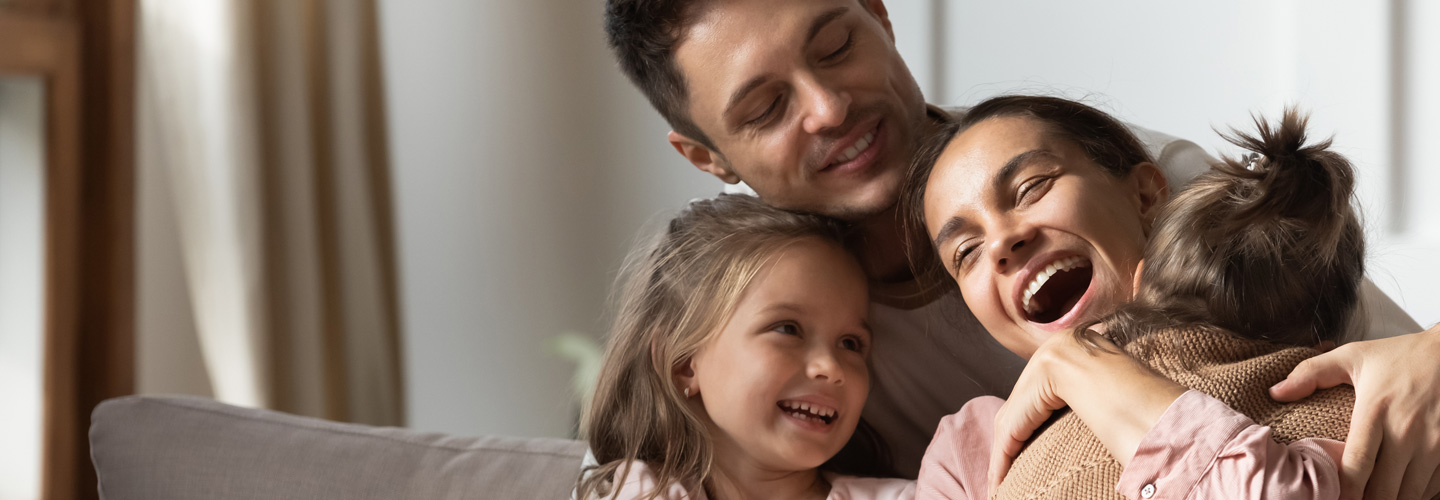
[687, 392]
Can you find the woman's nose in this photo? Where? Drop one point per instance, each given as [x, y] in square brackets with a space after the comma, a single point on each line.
[1010, 249]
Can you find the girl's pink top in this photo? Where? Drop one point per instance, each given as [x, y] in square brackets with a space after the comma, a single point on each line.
[641, 481]
[1199, 449]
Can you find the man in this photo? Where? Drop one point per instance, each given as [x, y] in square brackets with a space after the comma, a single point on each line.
[810, 105]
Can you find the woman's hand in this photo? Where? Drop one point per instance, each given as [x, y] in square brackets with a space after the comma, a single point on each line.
[1393, 450]
[1119, 398]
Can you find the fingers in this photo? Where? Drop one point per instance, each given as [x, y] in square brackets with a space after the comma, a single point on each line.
[1017, 420]
[1418, 476]
[1321, 372]
[1388, 473]
[1361, 447]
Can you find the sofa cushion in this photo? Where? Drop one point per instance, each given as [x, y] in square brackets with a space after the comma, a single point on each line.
[163, 448]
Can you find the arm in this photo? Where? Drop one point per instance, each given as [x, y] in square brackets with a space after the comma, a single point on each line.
[956, 463]
[1183, 444]
[1395, 430]
[1201, 448]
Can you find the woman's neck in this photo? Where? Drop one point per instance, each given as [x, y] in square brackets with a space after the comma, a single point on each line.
[739, 477]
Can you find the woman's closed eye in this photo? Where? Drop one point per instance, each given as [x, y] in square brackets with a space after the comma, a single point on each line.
[1032, 190]
[964, 253]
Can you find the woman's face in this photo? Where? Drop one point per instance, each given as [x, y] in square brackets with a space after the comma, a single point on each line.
[1038, 236]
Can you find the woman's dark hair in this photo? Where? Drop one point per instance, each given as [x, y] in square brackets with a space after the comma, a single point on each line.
[1105, 140]
[1266, 246]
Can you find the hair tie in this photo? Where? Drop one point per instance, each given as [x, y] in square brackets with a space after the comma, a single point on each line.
[1252, 160]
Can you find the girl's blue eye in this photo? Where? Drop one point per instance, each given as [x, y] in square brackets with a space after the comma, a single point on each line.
[787, 329]
[852, 344]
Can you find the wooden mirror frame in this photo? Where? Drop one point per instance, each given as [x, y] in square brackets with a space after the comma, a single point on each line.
[84, 51]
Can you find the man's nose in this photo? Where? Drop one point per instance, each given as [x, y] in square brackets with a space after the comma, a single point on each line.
[826, 108]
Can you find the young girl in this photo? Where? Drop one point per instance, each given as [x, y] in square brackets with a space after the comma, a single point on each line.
[737, 365]
[1252, 264]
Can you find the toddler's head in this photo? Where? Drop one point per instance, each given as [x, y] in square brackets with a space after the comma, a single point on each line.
[741, 337]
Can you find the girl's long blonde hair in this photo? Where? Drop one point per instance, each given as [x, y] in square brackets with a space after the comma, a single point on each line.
[674, 294]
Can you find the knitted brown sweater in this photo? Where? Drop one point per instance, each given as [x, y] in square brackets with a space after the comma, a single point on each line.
[1066, 460]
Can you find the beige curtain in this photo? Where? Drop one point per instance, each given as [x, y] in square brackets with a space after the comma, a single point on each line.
[266, 118]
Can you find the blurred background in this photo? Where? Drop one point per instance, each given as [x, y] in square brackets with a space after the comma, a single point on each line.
[409, 212]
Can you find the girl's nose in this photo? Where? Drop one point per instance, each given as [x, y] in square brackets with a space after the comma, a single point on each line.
[824, 366]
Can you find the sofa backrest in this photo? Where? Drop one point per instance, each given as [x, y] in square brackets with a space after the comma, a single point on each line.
[171, 448]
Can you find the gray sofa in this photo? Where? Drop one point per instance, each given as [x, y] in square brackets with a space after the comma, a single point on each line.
[170, 448]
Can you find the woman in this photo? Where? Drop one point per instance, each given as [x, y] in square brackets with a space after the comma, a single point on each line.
[1040, 218]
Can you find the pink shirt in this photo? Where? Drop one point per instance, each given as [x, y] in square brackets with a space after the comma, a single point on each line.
[641, 481]
[1199, 449]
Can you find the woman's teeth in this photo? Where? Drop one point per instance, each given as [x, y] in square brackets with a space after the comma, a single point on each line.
[855, 149]
[809, 411]
[1041, 277]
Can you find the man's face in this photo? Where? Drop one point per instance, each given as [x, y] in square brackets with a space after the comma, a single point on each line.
[808, 102]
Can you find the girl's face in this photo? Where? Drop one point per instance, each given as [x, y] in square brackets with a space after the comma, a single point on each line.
[784, 380]
[1038, 236]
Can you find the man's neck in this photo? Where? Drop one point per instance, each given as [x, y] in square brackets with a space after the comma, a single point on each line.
[879, 242]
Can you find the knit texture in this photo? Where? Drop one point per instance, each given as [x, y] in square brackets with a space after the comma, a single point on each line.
[1065, 460]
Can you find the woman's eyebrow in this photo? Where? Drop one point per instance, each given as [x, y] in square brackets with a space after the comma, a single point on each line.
[948, 231]
[1007, 172]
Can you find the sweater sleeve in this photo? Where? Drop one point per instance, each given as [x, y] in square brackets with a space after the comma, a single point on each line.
[1203, 449]
[957, 463]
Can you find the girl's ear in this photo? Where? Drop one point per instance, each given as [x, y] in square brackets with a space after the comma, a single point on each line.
[682, 375]
[1152, 191]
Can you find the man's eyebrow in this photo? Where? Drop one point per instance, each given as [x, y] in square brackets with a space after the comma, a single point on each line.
[819, 23]
[1002, 178]
[823, 19]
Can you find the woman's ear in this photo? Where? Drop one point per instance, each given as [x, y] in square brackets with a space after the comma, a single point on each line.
[1135, 281]
[1152, 191]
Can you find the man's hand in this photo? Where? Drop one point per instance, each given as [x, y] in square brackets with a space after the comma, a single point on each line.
[1393, 449]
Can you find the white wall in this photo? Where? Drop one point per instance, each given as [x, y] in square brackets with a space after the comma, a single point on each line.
[523, 166]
